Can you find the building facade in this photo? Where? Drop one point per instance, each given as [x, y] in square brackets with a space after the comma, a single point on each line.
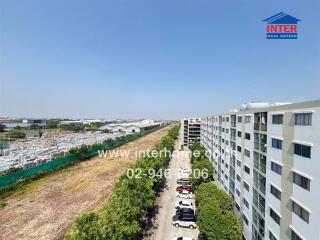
[267, 158]
[191, 130]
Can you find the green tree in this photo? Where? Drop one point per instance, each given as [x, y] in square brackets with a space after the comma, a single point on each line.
[34, 126]
[217, 225]
[198, 152]
[209, 191]
[2, 127]
[87, 227]
[199, 168]
[70, 127]
[52, 123]
[15, 133]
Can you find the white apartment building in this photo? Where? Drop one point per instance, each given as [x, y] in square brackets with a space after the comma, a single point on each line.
[267, 157]
[191, 130]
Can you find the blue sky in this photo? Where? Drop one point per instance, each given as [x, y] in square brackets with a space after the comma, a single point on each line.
[151, 58]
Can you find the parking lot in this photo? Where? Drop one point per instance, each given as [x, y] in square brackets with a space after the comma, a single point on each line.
[164, 230]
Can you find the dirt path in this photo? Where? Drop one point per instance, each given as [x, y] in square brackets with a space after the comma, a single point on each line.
[163, 228]
[46, 208]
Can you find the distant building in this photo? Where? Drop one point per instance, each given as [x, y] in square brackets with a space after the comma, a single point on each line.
[24, 123]
[191, 130]
[132, 126]
[80, 122]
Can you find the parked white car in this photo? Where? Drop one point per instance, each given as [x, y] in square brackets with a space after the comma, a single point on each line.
[184, 194]
[184, 204]
[187, 220]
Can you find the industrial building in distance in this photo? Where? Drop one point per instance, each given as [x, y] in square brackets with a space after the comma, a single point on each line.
[130, 127]
[191, 130]
[266, 157]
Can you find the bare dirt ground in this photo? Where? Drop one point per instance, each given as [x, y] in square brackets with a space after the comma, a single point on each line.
[46, 208]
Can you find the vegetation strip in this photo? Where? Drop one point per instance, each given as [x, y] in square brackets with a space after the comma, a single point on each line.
[124, 214]
[216, 219]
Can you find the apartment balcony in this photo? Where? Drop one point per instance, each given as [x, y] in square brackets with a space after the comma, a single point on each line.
[259, 162]
[233, 124]
[260, 146]
[233, 137]
[260, 127]
[257, 231]
[261, 187]
[259, 165]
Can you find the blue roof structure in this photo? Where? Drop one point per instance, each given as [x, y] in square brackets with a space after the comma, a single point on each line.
[281, 18]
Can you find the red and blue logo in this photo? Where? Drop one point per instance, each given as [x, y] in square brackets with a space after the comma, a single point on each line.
[282, 26]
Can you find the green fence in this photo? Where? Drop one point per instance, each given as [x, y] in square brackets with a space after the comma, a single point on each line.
[21, 175]
[4, 145]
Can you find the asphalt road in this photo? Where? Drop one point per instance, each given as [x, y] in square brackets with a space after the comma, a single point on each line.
[165, 230]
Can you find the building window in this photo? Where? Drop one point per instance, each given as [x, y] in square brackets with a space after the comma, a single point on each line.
[238, 148]
[247, 169]
[238, 163]
[247, 136]
[247, 119]
[275, 216]
[302, 150]
[303, 119]
[246, 203]
[276, 168]
[300, 211]
[239, 134]
[246, 186]
[239, 119]
[295, 236]
[247, 152]
[238, 178]
[301, 181]
[237, 207]
[275, 192]
[277, 119]
[276, 143]
[227, 119]
[245, 219]
[237, 192]
[271, 236]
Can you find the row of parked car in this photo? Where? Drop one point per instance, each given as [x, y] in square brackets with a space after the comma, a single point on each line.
[185, 213]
